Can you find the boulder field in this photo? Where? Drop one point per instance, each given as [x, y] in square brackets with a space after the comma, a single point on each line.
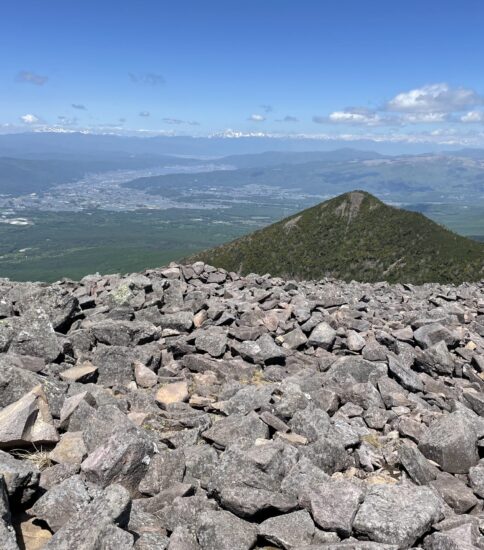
[188, 408]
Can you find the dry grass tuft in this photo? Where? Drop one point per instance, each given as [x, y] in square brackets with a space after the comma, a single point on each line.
[38, 457]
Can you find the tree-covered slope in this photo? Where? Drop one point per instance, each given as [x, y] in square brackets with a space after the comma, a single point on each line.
[354, 236]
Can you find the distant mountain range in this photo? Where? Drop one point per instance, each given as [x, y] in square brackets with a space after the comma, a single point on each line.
[77, 144]
[354, 236]
[403, 179]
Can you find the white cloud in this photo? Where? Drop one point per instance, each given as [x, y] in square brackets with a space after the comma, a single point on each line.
[434, 98]
[30, 119]
[144, 113]
[351, 116]
[257, 118]
[473, 116]
[354, 117]
[419, 118]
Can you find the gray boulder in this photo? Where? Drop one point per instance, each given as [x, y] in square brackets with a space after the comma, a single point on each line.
[61, 502]
[288, 531]
[429, 335]
[323, 335]
[123, 459]
[236, 428]
[334, 504]
[397, 514]
[96, 525]
[221, 530]
[451, 441]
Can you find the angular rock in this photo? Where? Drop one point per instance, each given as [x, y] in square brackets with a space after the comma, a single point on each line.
[295, 339]
[323, 335]
[81, 373]
[237, 428]
[144, 376]
[455, 493]
[165, 468]
[34, 336]
[123, 459]
[302, 478]
[26, 421]
[92, 527]
[71, 449]
[182, 321]
[476, 478]
[397, 514]
[417, 466]
[429, 335]
[451, 441]
[334, 504]
[114, 364]
[183, 538]
[185, 511]
[61, 502]
[176, 392]
[405, 377]
[288, 531]
[32, 535]
[224, 531]
[212, 340]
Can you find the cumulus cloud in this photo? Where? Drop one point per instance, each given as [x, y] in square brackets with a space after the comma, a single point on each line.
[144, 113]
[256, 118]
[31, 78]
[30, 119]
[79, 106]
[267, 108]
[352, 115]
[430, 104]
[419, 118]
[434, 98]
[473, 116]
[150, 79]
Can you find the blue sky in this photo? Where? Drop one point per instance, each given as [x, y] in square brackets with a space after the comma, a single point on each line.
[385, 70]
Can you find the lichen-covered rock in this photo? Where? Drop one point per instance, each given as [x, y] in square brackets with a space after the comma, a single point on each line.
[61, 502]
[334, 504]
[219, 530]
[94, 525]
[397, 514]
[451, 441]
[288, 531]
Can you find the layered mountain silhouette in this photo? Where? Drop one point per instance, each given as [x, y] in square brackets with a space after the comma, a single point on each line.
[354, 236]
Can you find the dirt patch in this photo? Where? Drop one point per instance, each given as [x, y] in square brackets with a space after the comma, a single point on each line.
[291, 223]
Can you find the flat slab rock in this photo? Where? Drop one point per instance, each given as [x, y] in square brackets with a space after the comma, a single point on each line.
[188, 408]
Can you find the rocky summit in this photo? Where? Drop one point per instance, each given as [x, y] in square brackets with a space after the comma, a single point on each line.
[190, 408]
